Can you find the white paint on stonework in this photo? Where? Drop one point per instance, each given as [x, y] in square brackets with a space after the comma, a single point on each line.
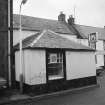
[80, 65]
[99, 51]
[25, 34]
[70, 37]
[83, 41]
[17, 65]
[100, 45]
[34, 66]
[100, 60]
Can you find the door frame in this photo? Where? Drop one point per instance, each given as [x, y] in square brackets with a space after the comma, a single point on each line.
[64, 64]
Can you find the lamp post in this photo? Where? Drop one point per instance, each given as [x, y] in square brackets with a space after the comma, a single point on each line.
[20, 47]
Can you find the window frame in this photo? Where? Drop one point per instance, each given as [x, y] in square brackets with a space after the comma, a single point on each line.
[62, 62]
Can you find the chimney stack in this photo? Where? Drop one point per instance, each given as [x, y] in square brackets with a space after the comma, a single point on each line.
[61, 17]
[71, 20]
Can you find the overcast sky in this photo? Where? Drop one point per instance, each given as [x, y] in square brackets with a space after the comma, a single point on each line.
[87, 12]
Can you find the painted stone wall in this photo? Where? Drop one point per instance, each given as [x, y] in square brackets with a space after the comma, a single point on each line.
[34, 66]
[80, 65]
[25, 33]
[100, 45]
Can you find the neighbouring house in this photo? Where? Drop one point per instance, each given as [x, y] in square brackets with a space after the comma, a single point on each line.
[85, 32]
[32, 25]
[52, 62]
[69, 30]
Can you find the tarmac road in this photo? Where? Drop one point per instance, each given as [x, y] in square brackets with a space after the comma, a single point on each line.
[89, 96]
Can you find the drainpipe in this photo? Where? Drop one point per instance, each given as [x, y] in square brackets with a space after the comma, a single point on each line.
[9, 47]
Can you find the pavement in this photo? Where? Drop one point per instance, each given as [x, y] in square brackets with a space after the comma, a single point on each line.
[91, 95]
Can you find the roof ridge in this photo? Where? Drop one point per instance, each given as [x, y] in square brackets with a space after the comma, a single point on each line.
[68, 39]
[43, 40]
[90, 26]
[37, 17]
[52, 32]
[35, 41]
[39, 24]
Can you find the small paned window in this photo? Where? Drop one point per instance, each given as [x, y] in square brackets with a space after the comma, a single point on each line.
[55, 66]
[52, 58]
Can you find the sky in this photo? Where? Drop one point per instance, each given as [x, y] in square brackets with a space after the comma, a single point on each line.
[87, 12]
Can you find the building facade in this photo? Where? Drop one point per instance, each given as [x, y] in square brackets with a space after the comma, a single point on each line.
[52, 63]
[69, 30]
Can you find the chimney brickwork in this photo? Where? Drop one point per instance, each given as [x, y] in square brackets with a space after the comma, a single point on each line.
[71, 20]
[61, 17]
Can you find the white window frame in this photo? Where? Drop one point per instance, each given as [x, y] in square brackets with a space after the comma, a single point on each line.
[58, 60]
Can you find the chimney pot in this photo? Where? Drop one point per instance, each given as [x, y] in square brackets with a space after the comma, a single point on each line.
[61, 17]
[71, 20]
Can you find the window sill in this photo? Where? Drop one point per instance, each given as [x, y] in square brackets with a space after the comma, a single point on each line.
[55, 77]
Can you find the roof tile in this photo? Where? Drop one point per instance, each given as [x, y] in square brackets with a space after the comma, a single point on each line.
[39, 24]
[86, 30]
[50, 39]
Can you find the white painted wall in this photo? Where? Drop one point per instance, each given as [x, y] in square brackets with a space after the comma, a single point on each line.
[34, 67]
[100, 53]
[100, 45]
[99, 48]
[70, 37]
[83, 41]
[80, 64]
[25, 33]
[17, 65]
[74, 38]
[100, 60]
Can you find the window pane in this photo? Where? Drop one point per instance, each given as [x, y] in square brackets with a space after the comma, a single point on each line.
[53, 58]
[55, 66]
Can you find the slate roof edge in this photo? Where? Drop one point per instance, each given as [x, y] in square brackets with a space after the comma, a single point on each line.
[25, 28]
[16, 23]
[36, 17]
[67, 49]
[29, 29]
[68, 39]
[101, 28]
[44, 31]
[80, 33]
[90, 26]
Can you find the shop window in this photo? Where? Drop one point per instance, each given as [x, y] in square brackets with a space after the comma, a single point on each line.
[55, 66]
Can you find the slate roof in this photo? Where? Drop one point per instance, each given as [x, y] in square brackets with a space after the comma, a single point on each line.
[85, 30]
[50, 39]
[39, 24]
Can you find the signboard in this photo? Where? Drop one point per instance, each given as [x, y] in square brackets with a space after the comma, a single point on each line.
[92, 38]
